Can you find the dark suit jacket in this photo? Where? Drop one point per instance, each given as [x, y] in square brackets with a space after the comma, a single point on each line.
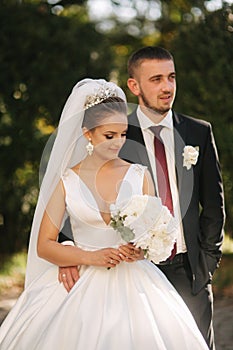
[200, 191]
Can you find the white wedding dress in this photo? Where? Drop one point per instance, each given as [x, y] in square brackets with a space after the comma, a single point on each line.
[130, 307]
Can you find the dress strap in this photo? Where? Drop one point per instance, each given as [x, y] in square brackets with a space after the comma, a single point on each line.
[139, 173]
[133, 182]
[66, 179]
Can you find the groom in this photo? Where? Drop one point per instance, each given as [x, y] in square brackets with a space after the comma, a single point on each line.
[194, 187]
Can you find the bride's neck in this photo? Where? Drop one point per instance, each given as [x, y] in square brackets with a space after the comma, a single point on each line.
[95, 163]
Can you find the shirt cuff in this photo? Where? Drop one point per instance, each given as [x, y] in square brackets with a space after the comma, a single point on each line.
[68, 243]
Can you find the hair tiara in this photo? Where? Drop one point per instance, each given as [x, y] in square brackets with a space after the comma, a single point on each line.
[101, 94]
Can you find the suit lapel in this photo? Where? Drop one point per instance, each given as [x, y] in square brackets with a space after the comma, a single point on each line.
[179, 143]
[185, 178]
[135, 134]
[135, 151]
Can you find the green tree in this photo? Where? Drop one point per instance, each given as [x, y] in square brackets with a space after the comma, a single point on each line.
[204, 54]
[42, 56]
[46, 46]
[202, 45]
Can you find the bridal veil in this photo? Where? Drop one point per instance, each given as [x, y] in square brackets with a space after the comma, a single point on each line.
[67, 150]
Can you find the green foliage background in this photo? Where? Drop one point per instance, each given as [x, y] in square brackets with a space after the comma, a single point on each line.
[46, 48]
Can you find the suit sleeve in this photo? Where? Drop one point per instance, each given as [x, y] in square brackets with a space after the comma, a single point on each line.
[66, 233]
[212, 215]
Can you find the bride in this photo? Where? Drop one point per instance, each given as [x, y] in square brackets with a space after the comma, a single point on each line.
[121, 301]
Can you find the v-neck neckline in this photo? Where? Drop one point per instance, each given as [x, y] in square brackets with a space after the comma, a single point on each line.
[93, 197]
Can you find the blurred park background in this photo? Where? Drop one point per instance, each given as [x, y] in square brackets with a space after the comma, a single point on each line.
[47, 46]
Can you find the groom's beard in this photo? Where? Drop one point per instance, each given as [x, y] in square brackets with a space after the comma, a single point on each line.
[151, 108]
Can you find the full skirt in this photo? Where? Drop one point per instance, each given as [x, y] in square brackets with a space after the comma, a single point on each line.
[131, 306]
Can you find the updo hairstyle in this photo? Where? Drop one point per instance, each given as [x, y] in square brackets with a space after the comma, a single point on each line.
[94, 116]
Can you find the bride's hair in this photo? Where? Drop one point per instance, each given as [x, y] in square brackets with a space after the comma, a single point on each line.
[94, 116]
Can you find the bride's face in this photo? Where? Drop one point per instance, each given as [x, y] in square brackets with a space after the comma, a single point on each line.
[109, 137]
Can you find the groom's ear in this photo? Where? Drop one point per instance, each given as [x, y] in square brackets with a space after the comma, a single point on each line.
[133, 86]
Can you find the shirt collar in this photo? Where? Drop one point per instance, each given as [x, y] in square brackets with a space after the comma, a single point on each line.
[146, 123]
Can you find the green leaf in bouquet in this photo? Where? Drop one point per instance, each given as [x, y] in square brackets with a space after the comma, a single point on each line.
[126, 233]
[113, 224]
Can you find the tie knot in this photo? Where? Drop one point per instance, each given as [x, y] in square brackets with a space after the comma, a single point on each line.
[156, 131]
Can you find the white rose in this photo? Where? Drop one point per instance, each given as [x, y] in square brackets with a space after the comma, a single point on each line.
[147, 211]
[190, 155]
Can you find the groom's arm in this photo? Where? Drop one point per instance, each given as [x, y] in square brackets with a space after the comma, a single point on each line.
[62, 238]
[66, 234]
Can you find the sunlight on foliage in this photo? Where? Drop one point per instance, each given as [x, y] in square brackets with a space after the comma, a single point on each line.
[24, 174]
[29, 200]
[227, 245]
[23, 178]
[44, 127]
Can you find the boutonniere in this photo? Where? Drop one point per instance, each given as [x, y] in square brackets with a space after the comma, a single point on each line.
[190, 155]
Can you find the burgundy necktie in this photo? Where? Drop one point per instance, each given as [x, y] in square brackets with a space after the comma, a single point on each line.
[163, 182]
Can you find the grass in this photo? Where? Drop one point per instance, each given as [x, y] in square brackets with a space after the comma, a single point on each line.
[223, 277]
[12, 272]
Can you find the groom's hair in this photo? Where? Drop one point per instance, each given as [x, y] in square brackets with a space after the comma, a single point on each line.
[147, 53]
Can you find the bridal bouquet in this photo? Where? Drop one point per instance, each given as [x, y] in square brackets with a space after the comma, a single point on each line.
[146, 223]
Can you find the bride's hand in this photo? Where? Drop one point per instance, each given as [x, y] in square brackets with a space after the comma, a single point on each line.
[129, 253]
[107, 257]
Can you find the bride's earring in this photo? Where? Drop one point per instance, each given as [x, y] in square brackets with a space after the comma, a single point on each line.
[89, 147]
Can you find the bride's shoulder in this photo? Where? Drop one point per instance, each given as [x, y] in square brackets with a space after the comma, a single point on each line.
[143, 174]
[139, 168]
[74, 169]
[68, 174]
[135, 166]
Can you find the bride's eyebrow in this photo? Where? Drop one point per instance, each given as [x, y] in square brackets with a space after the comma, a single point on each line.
[114, 132]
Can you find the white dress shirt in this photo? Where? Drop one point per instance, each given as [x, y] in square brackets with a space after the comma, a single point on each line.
[167, 136]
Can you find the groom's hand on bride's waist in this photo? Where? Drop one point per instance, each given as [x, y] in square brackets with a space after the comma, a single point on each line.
[68, 276]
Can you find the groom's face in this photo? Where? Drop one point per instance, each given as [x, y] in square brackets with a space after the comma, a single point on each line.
[154, 83]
